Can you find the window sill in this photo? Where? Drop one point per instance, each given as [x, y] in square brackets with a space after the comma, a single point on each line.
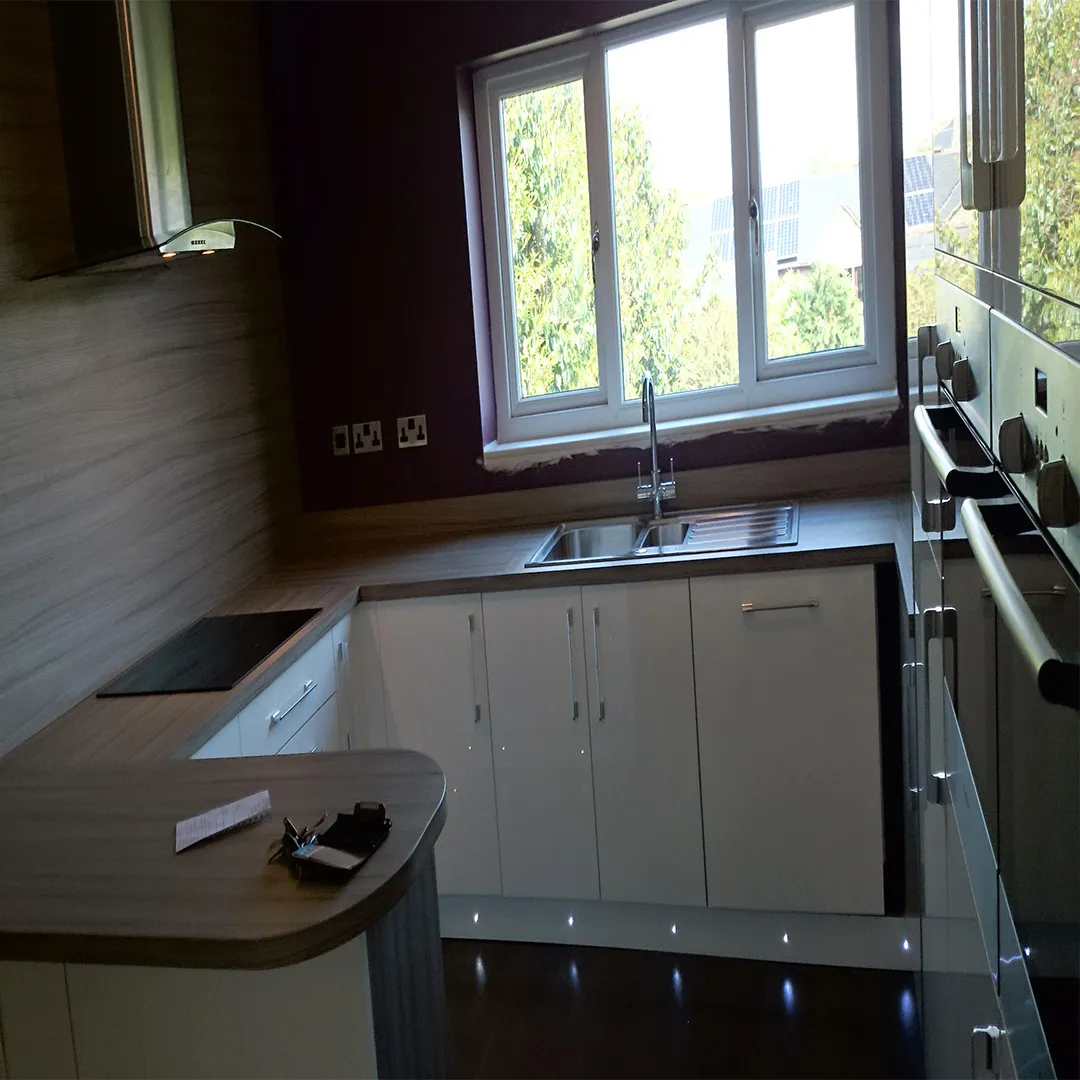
[512, 456]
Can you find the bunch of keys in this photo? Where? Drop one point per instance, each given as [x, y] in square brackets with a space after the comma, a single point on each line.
[294, 839]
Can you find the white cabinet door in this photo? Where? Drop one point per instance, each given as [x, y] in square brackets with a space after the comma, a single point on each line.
[320, 734]
[226, 743]
[540, 738]
[367, 717]
[788, 717]
[339, 636]
[434, 697]
[34, 1021]
[640, 673]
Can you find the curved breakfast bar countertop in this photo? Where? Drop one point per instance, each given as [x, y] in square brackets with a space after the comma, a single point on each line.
[91, 876]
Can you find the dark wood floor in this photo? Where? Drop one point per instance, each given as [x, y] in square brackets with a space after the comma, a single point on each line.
[551, 1010]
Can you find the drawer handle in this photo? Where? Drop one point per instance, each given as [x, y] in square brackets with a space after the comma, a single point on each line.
[748, 606]
[314, 750]
[279, 714]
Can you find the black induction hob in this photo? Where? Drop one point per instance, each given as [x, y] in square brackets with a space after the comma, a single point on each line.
[213, 654]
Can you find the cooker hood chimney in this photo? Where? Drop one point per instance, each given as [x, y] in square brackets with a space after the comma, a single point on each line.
[123, 136]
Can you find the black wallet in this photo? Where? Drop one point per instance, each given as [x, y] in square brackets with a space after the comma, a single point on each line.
[344, 847]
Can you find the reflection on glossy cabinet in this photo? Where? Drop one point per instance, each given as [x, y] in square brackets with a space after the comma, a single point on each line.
[788, 715]
[434, 698]
[540, 735]
[640, 674]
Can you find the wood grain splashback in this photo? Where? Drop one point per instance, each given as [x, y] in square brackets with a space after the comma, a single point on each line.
[146, 436]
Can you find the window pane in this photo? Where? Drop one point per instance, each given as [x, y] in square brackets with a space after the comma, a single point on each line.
[671, 160]
[547, 187]
[808, 139]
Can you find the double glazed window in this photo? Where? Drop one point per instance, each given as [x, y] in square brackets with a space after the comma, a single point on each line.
[702, 197]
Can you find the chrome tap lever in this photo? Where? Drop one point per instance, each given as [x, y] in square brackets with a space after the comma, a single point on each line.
[667, 487]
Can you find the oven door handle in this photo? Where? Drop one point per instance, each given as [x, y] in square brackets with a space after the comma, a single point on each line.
[972, 483]
[1058, 681]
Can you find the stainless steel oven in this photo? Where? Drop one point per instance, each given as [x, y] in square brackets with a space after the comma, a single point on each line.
[999, 718]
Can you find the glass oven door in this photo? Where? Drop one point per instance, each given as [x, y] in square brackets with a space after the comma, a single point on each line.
[1018, 740]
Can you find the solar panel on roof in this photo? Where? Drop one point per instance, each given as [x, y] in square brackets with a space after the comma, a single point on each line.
[918, 173]
[779, 222]
[919, 208]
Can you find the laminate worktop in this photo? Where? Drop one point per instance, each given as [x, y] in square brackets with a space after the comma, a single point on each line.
[93, 878]
[335, 572]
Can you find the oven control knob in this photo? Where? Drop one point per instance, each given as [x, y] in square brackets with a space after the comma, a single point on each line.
[1059, 501]
[963, 381]
[944, 357]
[1015, 447]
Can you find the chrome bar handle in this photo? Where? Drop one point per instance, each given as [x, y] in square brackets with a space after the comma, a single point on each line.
[596, 659]
[570, 658]
[279, 714]
[1058, 680]
[472, 673]
[748, 606]
[971, 482]
[314, 749]
[975, 170]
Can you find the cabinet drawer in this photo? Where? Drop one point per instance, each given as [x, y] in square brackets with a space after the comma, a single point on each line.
[320, 733]
[283, 708]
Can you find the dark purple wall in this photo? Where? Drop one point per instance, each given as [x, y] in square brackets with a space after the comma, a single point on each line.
[367, 138]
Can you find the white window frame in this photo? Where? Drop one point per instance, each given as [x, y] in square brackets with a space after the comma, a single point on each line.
[764, 386]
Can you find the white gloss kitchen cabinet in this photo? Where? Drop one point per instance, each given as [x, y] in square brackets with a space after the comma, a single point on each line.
[635, 742]
[297, 713]
[640, 675]
[788, 720]
[430, 660]
[540, 743]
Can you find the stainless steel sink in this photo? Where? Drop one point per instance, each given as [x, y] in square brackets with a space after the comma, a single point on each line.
[729, 528]
[579, 543]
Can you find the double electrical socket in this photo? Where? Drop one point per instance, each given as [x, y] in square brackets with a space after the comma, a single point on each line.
[411, 431]
[367, 437]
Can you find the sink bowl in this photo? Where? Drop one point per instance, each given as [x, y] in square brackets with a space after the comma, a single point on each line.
[594, 540]
[729, 528]
[663, 534]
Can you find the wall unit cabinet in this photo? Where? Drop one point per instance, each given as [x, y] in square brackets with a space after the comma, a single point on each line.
[640, 675]
[788, 721]
[433, 674]
[540, 741]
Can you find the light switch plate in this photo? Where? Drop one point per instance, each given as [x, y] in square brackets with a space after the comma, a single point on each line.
[367, 437]
[412, 431]
[341, 439]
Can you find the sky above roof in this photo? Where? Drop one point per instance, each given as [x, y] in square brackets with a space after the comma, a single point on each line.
[805, 88]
